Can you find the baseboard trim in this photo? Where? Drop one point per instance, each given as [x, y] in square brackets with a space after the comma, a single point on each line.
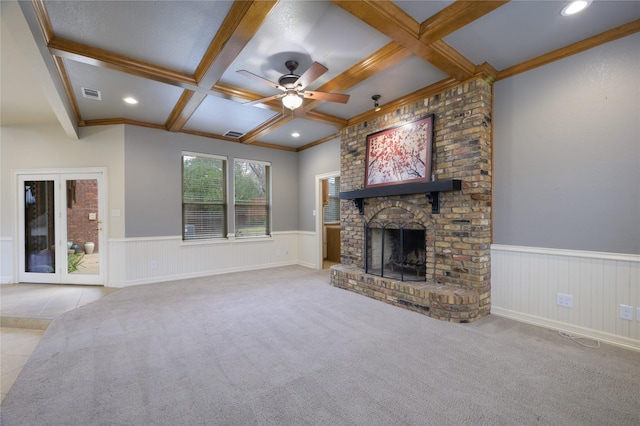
[166, 278]
[607, 338]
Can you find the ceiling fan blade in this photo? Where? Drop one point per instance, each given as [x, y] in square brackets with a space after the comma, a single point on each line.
[263, 100]
[261, 79]
[315, 70]
[324, 96]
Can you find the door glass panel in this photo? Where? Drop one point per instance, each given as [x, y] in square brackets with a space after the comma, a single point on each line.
[83, 226]
[39, 223]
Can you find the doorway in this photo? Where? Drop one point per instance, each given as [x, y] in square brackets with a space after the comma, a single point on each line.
[60, 228]
[328, 223]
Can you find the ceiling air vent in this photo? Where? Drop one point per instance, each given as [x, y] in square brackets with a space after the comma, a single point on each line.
[233, 134]
[91, 94]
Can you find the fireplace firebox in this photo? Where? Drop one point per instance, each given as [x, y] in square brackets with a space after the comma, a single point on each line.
[396, 251]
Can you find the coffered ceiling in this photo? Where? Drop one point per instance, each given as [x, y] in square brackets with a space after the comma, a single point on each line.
[180, 59]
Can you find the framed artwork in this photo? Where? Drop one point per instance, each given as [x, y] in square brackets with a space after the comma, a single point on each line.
[400, 155]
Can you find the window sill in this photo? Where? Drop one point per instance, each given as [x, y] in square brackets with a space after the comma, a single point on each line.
[204, 242]
[251, 239]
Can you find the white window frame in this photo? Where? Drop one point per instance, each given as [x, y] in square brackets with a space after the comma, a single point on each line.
[225, 198]
[269, 204]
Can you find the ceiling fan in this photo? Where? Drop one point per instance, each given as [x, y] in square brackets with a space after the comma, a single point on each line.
[293, 87]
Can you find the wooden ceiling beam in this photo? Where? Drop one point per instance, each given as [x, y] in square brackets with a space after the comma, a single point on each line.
[586, 44]
[383, 58]
[396, 24]
[239, 26]
[331, 120]
[319, 142]
[266, 128]
[183, 109]
[378, 61]
[90, 55]
[68, 88]
[44, 21]
[454, 17]
[111, 121]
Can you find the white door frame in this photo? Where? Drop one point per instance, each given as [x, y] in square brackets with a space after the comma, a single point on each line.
[319, 179]
[58, 176]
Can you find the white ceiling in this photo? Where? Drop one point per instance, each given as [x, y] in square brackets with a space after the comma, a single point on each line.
[172, 38]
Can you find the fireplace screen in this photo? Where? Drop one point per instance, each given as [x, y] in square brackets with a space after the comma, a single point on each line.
[396, 251]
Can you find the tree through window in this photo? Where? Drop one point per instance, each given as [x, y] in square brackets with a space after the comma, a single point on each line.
[204, 209]
[252, 185]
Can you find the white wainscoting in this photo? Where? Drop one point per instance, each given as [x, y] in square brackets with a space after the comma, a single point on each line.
[6, 260]
[135, 261]
[526, 280]
[308, 250]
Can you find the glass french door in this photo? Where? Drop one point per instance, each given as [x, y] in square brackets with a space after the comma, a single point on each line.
[60, 228]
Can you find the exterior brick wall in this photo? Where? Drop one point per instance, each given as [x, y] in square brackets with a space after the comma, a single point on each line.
[79, 228]
[460, 235]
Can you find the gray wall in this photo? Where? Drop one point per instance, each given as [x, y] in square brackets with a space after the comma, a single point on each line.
[153, 179]
[567, 153]
[321, 159]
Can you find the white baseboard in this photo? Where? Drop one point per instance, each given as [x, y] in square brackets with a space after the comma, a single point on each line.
[608, 338]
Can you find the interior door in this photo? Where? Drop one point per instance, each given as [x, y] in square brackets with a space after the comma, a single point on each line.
[60, 228]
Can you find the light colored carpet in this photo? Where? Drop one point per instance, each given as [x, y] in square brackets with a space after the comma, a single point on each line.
[283, 347]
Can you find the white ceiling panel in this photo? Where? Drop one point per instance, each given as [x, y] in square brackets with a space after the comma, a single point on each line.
[218, 116]
[309, 131]
[156, 100]
[522, 30]
[423, 10]
[172, 34]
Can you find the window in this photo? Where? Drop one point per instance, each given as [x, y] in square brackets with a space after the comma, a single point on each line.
[332, 201]
[204, 209]
[252, 183]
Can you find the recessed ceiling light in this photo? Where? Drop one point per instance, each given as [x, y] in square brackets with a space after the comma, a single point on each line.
[295, 134]
[130, 100]
[575, 7]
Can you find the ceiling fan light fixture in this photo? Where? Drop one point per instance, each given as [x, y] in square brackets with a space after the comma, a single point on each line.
[292, 100]
[575, 7]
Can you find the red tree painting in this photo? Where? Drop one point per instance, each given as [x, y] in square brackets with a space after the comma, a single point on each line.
[400, 155]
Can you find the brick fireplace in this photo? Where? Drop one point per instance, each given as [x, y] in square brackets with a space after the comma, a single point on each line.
[453, 282]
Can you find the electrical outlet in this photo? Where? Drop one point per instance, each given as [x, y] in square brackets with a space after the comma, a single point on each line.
[626, 312]
[277, 252]
[565, 300]
[638, 314]
[153, 265]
